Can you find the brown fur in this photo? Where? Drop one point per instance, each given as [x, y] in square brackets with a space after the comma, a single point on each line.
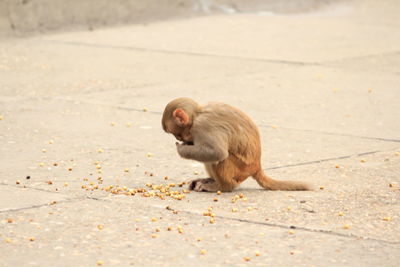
[225, 139]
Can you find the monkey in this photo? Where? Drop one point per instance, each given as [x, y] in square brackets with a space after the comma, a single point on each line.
[225, 139]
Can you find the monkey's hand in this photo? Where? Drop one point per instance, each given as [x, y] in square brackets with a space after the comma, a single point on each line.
[182, 150]
[201, 152]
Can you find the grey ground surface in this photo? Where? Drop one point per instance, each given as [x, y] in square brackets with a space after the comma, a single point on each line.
[323, 87]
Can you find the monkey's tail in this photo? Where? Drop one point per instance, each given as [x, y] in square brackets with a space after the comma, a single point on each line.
[271, 184]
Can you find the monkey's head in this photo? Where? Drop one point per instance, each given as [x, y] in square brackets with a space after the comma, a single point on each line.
[178, 118]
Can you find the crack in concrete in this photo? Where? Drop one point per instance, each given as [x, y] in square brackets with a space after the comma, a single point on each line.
[197, 54]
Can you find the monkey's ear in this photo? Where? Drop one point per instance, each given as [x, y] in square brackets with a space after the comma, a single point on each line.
[181, 117]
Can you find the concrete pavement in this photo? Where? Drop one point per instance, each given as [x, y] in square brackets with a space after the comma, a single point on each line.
[80, 111]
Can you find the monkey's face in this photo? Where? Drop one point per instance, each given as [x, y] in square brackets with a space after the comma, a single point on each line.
[184, 135]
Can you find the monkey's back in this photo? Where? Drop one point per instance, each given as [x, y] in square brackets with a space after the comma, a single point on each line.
[240, 131]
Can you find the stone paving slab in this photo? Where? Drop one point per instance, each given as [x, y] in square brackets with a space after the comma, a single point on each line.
[73, 120]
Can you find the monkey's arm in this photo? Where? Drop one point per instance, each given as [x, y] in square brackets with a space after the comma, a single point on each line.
[205, 149]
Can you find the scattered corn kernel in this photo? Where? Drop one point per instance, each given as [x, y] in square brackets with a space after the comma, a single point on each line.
[397, 153]
[346, 226]
[219, 192]
[337, 166]
[100, 150]
[196, 173]
[257, 253]
[9, 220]
[1, 118]
[289, 208]
[41, 164]
[199, 239]
[44, 150]
[128, 124]
[340, 213]
[203, 251]
[51, 142]
[145, 109]
[153, 219]
[249, 208]
[234, 209]
[149, 155]
[66, 184]
[362, 160]
[153, 235]
[99, 263]
[49, 182]
[169, 228]
[31, 239]
[291, 232]
[112, 123]
[126, 170]
[100, 227]
[8, 240]
[18, 182]
[246, 259]
[387, 219]
[212, 220]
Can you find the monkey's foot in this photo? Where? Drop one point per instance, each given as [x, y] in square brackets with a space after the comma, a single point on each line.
[203, 185]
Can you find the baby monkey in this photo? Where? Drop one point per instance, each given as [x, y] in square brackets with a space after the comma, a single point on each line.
[225, 139]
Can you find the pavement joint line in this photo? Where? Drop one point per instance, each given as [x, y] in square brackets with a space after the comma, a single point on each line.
[259, 125]
[44, 205]
[282, 226]
[29, 187]
[197, 54]
[335, 134]
[275, 225]
[327, 159]
[362, 57]
[306, 229]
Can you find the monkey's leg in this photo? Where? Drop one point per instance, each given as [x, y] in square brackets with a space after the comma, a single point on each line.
[225, 176]
[204, 184]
